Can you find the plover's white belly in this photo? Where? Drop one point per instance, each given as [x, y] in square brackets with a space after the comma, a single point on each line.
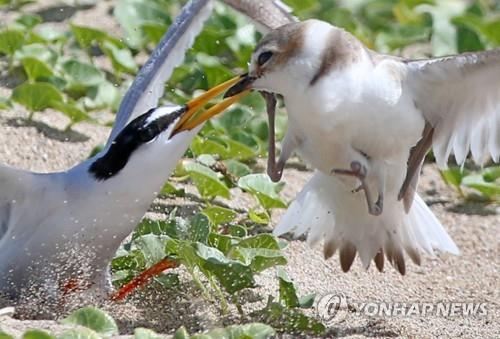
[384, 132]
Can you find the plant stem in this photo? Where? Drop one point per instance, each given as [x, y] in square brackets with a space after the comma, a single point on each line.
[224, 304]
[198, 283]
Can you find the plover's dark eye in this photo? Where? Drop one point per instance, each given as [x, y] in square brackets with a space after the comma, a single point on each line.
[264, 57]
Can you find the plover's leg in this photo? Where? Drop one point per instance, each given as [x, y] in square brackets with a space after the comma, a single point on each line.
[275, 169]
[382, 175]
[359, 171]
[415, 161]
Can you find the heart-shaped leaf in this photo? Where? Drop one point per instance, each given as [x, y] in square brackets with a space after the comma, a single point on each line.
[37, 96]
[36, 69]
[81, 74]
[231, 274]
[246, 331]
[37, 334]
[206, 181]
[94, 319]
[11, 41]
[219, 215]
[263, 189]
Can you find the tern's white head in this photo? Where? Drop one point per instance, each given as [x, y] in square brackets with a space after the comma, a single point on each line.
[297, 55]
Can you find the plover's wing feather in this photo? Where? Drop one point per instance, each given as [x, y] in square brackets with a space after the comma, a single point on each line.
[460, 97]
[148, 86]
[266, 14]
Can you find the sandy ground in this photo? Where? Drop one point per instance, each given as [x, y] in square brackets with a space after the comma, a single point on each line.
[42, 145]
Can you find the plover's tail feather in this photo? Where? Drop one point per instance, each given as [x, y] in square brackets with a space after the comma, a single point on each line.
[326, 208]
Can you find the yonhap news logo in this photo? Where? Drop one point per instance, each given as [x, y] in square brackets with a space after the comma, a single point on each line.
[333, 308]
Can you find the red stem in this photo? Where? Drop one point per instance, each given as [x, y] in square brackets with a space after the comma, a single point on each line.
[144, 277]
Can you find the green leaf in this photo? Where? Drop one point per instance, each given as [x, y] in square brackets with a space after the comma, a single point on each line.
[36, 69]
[37, 334]
[485, 28]
[262, 217]
[207, 160]
[288, 294]
[94, 319]
[263, 189]
[71, 111]
[247, 331]
[476, 181]
[11, 41]
[453, 176]
[144, 333]
[221, 242]
[206, 181]
[40, 52]
[121, 58]
[81, 74]
[50, 34]
[204, 145]
[86, 36]
[5, 103]
[236, 168]
[238, 231]
[132, 14]
[105, 95]
[168, 280]
[260, 252]
[267, 241]
[29, 20]
[4, 335]
[135, 260]
[181, 333]
[219, 215]
[153, 31]
[231, 274]
[287, 320]
[199, 228]
[490, 174]
[79, 333]
[169, 189]
[239, 151]
[152, 247]
[307, 301]
[37, 96]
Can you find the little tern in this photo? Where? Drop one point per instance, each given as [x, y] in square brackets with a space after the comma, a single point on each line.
[59, 231]
[365, 121]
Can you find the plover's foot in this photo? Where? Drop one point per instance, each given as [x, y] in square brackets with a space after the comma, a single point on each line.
[359, 171]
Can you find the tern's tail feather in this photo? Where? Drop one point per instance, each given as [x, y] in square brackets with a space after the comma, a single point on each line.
[327, 208]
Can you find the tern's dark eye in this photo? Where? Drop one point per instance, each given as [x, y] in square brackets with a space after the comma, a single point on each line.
[264, 57]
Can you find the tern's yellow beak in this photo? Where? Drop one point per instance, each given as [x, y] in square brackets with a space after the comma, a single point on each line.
[190, 120]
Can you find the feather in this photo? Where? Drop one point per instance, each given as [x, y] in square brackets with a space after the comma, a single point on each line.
[379, 260]
[460, 97]
[327, 208]
[149, 84]
[347, 254]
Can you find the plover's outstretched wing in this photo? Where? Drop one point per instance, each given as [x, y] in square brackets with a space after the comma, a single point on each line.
[149, 83]
[460, 98]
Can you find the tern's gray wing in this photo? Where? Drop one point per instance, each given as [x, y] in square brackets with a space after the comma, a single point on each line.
[460, 97]
[266, 14]
[15, 187]
[149, 84]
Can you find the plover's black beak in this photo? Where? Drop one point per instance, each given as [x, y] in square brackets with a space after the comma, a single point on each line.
[244, 84]
[189, 121]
